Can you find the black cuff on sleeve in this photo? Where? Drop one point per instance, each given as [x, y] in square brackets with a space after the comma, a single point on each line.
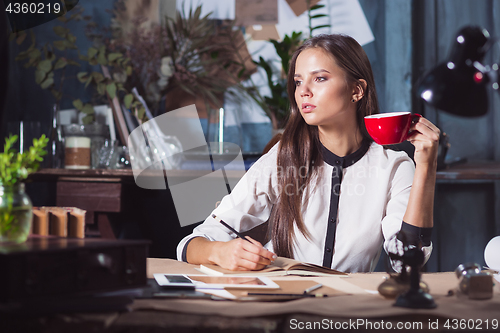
[412, 235]
[184, 250]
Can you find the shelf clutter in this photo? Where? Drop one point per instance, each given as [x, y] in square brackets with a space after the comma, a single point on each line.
[59, 221]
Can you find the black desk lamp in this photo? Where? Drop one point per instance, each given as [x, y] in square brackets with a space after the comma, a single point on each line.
[458, 86]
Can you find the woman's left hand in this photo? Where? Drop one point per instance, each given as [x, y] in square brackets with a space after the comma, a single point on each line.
[424, 135]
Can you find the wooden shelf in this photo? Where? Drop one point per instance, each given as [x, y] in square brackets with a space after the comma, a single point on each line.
[474, 170]
[488, 170]
[126, 175]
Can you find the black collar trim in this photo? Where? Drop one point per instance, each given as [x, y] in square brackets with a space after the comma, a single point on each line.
[346, 161]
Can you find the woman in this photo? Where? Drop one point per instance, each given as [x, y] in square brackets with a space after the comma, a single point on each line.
[337, 197]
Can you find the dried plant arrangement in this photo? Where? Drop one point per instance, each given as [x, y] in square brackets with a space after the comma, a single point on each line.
[190, 53]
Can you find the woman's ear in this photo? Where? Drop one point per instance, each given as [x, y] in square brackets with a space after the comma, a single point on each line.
[359, 90]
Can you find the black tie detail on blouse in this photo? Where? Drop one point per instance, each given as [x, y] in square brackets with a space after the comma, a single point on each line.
[338, 164]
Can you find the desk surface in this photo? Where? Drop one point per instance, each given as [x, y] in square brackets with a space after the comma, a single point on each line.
[148, 315]
[363, 301]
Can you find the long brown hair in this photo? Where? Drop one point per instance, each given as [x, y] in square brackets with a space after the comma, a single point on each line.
[299, 151]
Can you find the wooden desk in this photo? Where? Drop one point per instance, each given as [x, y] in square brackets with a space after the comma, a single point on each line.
[178, 315]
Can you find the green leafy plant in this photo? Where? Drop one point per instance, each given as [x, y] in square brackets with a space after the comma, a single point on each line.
[15, 166]
[311, 16]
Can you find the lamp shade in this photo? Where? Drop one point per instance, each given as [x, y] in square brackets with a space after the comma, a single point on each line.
[456, 86]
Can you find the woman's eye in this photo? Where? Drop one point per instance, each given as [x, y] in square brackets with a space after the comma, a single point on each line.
[321, 79]
[297, 83]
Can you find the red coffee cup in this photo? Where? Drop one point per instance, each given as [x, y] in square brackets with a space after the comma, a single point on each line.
[390, 128]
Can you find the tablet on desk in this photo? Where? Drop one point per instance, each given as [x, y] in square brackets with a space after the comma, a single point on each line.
[214, 282]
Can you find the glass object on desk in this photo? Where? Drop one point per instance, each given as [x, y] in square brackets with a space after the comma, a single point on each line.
[76, 147]
[113, 156]
[105, 153]
[119, 158]
[165, 149]
[15, 214]
[77, 152]
[98, 134]
[223, 127]
[171, 151]
[55, 147]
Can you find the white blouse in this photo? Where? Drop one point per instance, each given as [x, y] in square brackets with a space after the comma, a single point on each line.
[375, 186]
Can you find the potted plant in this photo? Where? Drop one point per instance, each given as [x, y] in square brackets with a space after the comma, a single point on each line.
[15, 205]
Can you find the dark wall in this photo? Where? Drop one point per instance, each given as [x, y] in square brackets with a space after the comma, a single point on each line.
[4, 60]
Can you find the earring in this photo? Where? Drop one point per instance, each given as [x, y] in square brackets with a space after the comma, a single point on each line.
[353, 100]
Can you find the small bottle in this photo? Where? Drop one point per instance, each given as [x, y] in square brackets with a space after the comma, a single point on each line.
[55, 145]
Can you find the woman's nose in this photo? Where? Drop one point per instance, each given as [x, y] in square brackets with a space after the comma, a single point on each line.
[304, 90]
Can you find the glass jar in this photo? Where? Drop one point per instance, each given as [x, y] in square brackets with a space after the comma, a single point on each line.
[15, 213]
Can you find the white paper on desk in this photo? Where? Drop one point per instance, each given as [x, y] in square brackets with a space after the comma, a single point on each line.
[373, 292]
[345, 16]
[337, 282]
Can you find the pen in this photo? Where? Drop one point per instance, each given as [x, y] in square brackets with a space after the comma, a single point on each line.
[230, 228]
[289, 295]
[308, 290]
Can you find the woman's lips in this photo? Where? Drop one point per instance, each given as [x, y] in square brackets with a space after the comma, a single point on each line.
[307, 107]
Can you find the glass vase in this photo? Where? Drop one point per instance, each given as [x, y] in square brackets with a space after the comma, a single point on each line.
[15, 214]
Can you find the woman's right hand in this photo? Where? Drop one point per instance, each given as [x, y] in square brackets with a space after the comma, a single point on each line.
[240, 255]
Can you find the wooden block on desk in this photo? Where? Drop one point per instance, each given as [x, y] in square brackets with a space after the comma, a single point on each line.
[58, 222]
[76, 222]
[40, 224]
[98, 197]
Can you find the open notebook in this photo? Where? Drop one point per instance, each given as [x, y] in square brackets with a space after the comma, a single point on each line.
[280, 267]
